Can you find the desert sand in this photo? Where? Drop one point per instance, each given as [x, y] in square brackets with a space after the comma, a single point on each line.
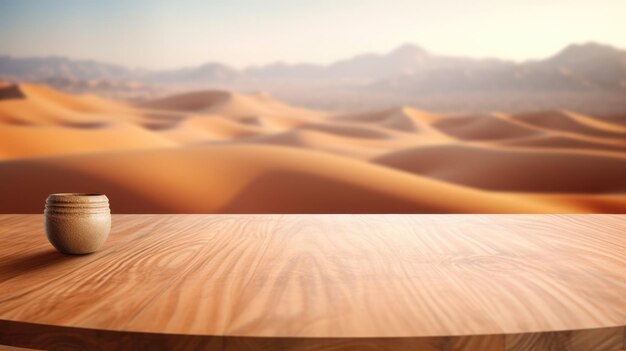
[225, 152]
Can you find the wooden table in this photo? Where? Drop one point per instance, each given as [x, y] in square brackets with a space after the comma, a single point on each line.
[321, 282]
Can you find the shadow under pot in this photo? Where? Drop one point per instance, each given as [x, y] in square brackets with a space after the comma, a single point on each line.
[77, 223]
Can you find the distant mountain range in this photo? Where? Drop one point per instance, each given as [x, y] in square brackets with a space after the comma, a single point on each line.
[577, 67]
[594, 73]
[408, 68]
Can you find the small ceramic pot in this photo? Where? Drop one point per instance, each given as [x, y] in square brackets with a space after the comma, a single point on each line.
[77, 223]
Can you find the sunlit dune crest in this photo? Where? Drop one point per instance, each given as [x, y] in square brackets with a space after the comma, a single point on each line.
[225, 152]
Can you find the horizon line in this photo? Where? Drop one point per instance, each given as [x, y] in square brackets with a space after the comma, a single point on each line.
[281, 62]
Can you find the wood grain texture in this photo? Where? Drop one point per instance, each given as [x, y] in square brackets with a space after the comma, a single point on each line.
[594, 339]
[322, 282]
[13, 348]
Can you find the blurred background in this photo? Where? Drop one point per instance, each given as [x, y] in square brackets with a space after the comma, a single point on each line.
[315, 106]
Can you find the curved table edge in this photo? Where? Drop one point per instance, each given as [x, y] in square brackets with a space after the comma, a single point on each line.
[32, 335]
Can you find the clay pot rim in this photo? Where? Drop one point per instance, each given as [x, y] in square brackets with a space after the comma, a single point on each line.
[77, 213]
[76, 198]
[77, 194]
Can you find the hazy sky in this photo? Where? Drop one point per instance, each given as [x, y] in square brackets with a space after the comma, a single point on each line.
[167, 34]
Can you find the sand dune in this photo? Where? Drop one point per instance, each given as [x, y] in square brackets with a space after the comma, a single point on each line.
[10, 91]
[567, 142]
[353, 139]
[382, 116]
[210, 128]
[227, 104]
[587, 203]
[314, 140]
[19, 142]
[489, 127]
[36, 104]
[253, 178]
[515, 170]
[224, 152]
[36, 121]
[573, 123]
[404, 119]
[504, 130]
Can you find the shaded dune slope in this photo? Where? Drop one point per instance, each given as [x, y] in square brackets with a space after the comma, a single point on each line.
[567, 142]
[227, 104]
[17, 142]
[570, 122]
[514, 170]
[245, 179]
[482, 128]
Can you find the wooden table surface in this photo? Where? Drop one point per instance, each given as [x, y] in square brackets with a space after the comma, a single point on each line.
[277, 282]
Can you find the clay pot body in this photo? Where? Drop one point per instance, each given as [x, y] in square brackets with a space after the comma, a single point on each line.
[77, 223]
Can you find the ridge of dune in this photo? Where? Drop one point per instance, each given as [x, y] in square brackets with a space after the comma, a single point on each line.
[488, 127]
[378, 116]
[41, 141]
[420, 115]
[520, 170]
[400, 126]
[225, 125]
[41, 105]
[565, 121]
[51, 96]
[276, 123]
[596, 123]
[211, 128]
[566, 142]
[189, 102]
[363, 117]
[401, 122]
[226, 103]
[354, 131]
[416, 122]
[326, 142]
[10, 91]
[355, 140]
[587, 203]
[403, 119]
[407, 119]
[246, 179]
[70, 102]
